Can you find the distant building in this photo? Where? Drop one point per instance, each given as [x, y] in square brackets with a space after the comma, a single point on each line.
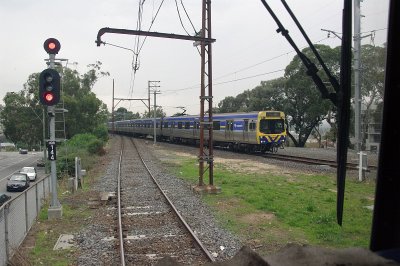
[6, 144]
[371, 130]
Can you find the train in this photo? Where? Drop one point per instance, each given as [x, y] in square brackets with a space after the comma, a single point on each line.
[263, 131]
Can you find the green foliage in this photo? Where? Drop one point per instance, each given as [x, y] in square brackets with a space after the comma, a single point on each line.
[159, 113]
[88, 142]
[303, 205]
[123, 114]
[85, 146]
[96, 147]
[101, 132]
[22, 115]
[20, 118]
[81, 140]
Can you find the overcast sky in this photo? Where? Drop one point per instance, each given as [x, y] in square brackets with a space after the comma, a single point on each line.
[247, 48]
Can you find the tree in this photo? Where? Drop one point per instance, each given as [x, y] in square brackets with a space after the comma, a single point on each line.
[22, 113]
[159, 113]
[269, 95]
[123, 114]
[295, 94]
[21, 121]
[372, 83]
[303, 102]
[228, 105]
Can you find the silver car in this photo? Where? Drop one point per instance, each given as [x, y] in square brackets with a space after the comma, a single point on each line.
[30, 171]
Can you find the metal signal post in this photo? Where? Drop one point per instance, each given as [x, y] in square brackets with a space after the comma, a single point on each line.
[52, 46]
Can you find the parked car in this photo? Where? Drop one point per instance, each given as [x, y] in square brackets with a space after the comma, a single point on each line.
[40, 163]
[4, 198]
[23, 151]
[30, 171]
[18, 182]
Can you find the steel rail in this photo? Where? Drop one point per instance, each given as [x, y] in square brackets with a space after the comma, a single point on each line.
[203, 248]
[120, 235]
[309, 160]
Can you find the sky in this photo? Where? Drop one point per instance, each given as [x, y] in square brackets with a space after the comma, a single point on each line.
[247, 50]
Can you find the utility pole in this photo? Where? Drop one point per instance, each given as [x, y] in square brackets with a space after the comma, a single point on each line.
[125, 99]
[155, 92]
[357, 74]
[112, 112]
[44, 140]
[362, 163]
[206, 82]
[49, 95]
[150, 85]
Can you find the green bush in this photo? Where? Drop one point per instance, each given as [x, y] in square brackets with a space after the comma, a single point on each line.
[81, 140]
[96, 147]
[101, 132]
[83, 146]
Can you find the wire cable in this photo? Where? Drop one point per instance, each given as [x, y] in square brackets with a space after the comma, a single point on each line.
[180, 19]
[187, 15]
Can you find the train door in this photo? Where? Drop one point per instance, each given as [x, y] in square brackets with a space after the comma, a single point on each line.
[246, 130]
[196, 128]
[229, 130]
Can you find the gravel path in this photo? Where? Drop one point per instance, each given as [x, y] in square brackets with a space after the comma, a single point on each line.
[96, 251]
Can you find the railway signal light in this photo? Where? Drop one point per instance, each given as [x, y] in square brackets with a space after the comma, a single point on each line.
[52, 46]
[49, 87]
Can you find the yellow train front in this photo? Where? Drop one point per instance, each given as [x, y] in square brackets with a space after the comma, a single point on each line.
[271, 131]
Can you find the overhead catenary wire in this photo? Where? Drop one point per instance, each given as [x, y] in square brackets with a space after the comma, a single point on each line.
[139, 45]
[180, 19]
[187, 15]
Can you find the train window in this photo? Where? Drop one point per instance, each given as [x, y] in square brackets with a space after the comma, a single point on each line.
[252, 126]
[229, 125]
[179, 125]
[187, 125]
[216, 125]
[274, 126]
[246, 125]
[165, 124]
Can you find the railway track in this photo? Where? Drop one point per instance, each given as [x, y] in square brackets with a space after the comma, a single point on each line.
[149, 225]
[314, 161]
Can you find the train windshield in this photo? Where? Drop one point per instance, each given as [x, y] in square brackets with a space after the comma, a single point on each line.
[275, 126]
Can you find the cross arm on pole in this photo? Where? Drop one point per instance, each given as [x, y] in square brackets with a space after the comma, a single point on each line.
[102, 31]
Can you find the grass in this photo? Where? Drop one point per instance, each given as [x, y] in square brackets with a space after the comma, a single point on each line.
[277, 209]
[46, 233]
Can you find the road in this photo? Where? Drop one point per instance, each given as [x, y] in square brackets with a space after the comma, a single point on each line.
[11, 162]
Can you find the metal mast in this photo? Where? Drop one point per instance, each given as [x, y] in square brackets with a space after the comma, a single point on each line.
[357, 75]
[206, 83]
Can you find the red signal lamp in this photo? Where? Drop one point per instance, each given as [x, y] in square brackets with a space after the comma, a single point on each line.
[52, 46]
[49, 97]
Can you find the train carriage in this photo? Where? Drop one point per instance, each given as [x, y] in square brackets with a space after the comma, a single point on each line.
[256, 131]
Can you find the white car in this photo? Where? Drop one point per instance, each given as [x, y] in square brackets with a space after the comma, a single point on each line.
[30, 171]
